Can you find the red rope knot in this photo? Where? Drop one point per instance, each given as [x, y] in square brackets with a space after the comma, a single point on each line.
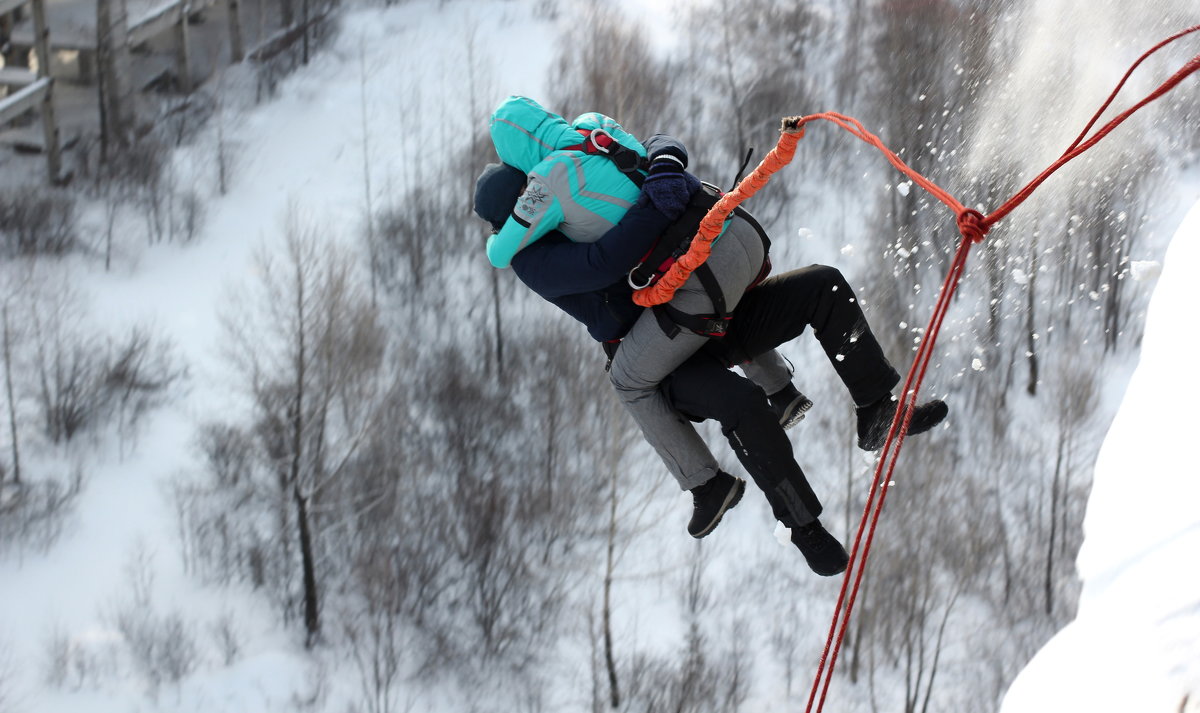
[972, 226]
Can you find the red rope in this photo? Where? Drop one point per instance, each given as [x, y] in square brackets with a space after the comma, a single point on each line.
[973, 226]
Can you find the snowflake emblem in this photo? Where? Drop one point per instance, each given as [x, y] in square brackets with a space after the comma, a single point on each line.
[534, 195]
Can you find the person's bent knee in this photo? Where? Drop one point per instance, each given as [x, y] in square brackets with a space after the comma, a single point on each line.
[627, 384]
[746, 404]
[827, 274]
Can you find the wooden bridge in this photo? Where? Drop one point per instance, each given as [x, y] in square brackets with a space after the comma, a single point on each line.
[56, 46]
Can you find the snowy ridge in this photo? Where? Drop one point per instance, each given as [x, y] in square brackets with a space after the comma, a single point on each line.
[1135, 643]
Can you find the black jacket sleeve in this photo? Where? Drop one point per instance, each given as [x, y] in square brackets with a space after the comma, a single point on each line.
[555, 266]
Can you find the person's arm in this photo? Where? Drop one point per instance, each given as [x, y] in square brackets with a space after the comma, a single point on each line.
[536, 213]
[668, 186]
[555, 266]
[561, 267]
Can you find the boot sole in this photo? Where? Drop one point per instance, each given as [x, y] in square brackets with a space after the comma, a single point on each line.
[795, 411]
[733, 498]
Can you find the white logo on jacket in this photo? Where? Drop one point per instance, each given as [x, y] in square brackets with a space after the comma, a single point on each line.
[534, 199]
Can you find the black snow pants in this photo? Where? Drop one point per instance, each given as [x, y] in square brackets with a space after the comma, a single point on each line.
[777, 311]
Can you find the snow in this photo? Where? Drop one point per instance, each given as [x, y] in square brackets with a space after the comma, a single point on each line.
[1145, 270]
[1134, 647]
[1135, 643]
[126, 508]
[783, 534]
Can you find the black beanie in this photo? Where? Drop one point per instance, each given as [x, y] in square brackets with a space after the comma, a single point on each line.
[496, 192]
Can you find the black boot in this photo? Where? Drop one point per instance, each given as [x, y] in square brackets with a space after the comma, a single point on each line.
[710, 501]
[789, 405]
[825, 555]
[875, 420]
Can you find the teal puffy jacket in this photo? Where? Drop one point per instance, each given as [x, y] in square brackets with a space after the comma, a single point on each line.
[581, 195]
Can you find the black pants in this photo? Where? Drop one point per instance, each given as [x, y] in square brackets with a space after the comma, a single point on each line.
[774, 312]
[779, 309]
[704, 388]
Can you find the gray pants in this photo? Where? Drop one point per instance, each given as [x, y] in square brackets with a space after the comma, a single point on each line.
[647, 356]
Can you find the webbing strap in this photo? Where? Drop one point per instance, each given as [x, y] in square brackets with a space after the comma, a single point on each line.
[598, 142]
[674, 242]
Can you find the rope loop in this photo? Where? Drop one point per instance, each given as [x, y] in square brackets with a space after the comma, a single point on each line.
[972, 225]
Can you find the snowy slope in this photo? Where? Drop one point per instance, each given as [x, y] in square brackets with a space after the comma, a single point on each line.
[293, 150]
[1135, 643]
[306, 150]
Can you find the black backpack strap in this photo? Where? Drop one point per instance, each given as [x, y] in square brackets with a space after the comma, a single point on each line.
[610, 351]
[745, 215]
[713, 288]
[672, 319]
[674, 242]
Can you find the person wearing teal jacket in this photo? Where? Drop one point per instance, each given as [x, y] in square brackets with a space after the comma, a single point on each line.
[580, 195]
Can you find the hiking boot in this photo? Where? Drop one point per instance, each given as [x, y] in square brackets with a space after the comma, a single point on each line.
[824, 554]
[789, 406]
[875, 420]
[711, 499]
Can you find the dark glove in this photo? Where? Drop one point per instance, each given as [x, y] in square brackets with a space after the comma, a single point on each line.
[668, 187]
[669, 190]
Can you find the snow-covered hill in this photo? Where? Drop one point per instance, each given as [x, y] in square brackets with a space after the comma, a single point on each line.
[1135, 643]
[303, 148]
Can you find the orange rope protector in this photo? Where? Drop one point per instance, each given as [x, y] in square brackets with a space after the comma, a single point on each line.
[973, 226]
[663, 290]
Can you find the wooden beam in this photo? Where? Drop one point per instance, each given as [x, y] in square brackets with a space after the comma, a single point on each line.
[283, 39]
[155, 23]
[50, 133]
[16, 77]
[23, 100]
[41, 37]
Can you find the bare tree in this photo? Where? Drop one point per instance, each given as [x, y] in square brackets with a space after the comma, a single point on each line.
[368, 197]
[116, 109]
[37, 221]
[309, 360]
[1075, 398]
[11, 396]
[606, 65]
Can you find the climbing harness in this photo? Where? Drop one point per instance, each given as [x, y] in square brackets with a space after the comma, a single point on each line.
[671, 246]
[674, 243]
[600, 142]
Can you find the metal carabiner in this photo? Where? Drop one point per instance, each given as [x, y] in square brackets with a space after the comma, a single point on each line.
[629, 279]
[595, 144]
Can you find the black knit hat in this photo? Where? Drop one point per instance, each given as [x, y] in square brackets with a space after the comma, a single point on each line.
[496, 192]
